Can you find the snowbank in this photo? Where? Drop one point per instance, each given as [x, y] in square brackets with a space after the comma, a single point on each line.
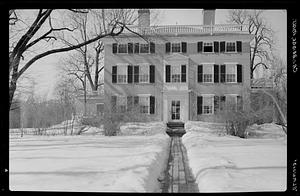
[223, 163]
[87, 163]
[140, 128]
[267, 130]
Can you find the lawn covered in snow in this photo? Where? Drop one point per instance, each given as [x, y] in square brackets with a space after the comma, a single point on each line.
[95, 163]
[223, 163]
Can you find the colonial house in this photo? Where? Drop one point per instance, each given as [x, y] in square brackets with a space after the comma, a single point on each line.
[177, 72]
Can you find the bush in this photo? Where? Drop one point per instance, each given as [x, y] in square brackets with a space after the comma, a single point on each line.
[94, 121]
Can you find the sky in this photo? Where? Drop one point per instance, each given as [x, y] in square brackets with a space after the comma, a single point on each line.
[45, 72]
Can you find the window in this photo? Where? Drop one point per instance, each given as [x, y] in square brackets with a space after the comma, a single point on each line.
[175, 47]
[100, 108]
[175, 73]
[231, 102]
[144, 102]
[144, 48]
[208, 104]
[208, 47]
[230, 47]
[144, 74]
[122, 74]
[231, 73]
[122, 48]
[208, 73]
[121, 103]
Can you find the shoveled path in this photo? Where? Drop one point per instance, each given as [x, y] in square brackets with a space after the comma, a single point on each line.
[178, 177]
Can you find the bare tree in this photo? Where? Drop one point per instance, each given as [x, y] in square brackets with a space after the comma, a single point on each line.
[263, 42]
[35, 34]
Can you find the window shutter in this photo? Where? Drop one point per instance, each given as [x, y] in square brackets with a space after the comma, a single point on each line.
[239, 73]
[129, 73]
[239, 46]
[152, 104]
[152, 47]
[129, 103]
[136, 101]
[136, 48]
[152, 74]
[239, 103]
[183, 73]
[130, 48]
[113, 103]
[216, 73]
[168, 47]
[114, 74]
[199, 46]
[216, 104]
[216, 47]
[183, 47]
[199, 104]
[168, 73]
[223, 73]
[136, 74]
[200, 73]
[222, 102]
[114, 48]
[222, 46]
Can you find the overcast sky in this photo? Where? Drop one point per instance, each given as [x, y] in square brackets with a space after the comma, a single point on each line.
[45, 73]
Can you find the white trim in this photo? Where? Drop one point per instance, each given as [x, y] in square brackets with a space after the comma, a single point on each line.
[234, 47]
[212, 42]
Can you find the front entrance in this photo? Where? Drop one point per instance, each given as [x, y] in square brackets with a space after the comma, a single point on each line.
[175, 110]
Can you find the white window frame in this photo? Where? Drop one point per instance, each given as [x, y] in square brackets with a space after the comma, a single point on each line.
[211, 96]
[212, 72]
[208, 42]
[125, 47]
[171, 74]
[126, 72]
[180, 49]
[235, 47]
[141, 48]
[148, 66]
[235, 70]
[144, 96]
[231, 95]
[97, 108]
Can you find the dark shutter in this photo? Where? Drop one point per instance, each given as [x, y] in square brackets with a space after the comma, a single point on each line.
[239, 73]
[199, 104]
[216, 103]
[183, 73]
[239, 46]
[216, 47]
[129, 73]
[222, 46]
[136, 101]
[223, 73]
[222, 102]
[183, 47]
[239, 103]
[216, 73]
[136, 74]
[152, 47]
[168, 73]
[199, 46]
[114, 74]
[136, 48]
[168, 47]
[152, 104]
[130, 48]
[129, 102]
[200, 72]
[113, 103]
[114, 48]
[152, 74]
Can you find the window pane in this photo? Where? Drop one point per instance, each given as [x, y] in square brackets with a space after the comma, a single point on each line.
[207, 73]
[144, 48]
[176, 73]
[230, 73]
[175, 47]
[207, 47]
[230, 46]
[144, 73]
[122, 48]
[207, 105]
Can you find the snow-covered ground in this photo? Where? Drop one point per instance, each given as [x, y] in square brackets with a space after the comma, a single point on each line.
[130, 163]
[141, 128]
[223, 163]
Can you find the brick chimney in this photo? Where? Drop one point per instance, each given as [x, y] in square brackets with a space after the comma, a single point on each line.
[144, 17]
[208, 16]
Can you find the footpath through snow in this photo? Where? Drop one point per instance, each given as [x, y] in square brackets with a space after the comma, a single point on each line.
[98, 163]
[222, 163]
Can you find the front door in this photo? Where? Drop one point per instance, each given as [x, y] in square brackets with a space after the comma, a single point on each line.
[175, 110]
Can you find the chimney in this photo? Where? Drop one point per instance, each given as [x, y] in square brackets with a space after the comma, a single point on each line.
[208, 16]
[144, 17]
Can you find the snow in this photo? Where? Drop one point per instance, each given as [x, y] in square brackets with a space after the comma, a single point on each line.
[223, 163]
[87, 163]
[140, 128]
